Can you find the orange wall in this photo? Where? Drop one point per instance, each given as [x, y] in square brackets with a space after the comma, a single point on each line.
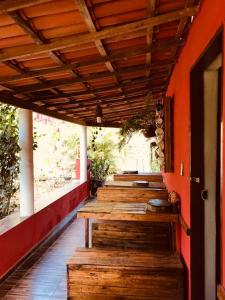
[210, 18]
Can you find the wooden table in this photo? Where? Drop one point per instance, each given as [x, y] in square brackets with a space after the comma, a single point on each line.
[118, 211]
[127, 184]
[140, 176]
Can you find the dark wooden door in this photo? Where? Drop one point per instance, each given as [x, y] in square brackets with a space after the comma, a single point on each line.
[199, 169]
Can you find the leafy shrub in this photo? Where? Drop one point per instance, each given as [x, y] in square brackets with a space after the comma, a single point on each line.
[101, 155]
[9, 157]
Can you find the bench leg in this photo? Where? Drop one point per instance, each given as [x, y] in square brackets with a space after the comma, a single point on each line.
[173, 237]
[86, 233]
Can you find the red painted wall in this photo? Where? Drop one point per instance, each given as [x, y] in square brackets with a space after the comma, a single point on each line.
[19, 241]
[210, 18]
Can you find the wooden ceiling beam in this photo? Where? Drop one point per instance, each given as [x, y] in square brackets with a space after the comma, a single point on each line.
[127, 85]
[111, 98]
[110, 122]
[68, 81]
[180, 33]
[93, 61]
[105, 125]
[108, 103]
[84, 11]
[117, 114]
[62, 43]
[125, 115]
[9, 98]
[38, 39]
[149, 36]
[132, 104]
[110, 89]
[93, 102]
[184, 20]
[12, 5]
[26, 27]
[107, 106]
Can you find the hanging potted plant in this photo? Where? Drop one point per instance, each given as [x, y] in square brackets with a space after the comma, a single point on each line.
[143, 123]
[149, 132]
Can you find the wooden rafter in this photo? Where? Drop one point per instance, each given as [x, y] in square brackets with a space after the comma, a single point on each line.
[26, 27]
[107, 116]
[12, 5]
[131, 84]
[59, 82]
[112, 98]
[94, 61]
[107, 111]
[120, 111]
[9, 98]
[84, 11]
[149, 35]
[61, 43]
[108, 100]
[184, 20]
[180, 31]
[38, 39]
[70, 89]
[122, 104]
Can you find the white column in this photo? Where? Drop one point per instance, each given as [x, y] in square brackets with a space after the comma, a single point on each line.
[26, 163]
[83, 153]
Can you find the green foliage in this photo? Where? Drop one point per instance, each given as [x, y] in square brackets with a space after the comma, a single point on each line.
[71, 143]
[130, 127]
[155, 167]
[9, 157]
[101, 154]
[134, 125]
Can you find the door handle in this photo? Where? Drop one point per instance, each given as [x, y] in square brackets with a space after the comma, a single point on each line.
[204, 195]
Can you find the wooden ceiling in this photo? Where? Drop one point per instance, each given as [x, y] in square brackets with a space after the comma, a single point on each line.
[62, 57]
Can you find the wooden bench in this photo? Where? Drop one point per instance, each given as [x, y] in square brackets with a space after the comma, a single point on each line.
[111, 194]
[109, 274]
[130, 184]
[132, 235]
[140, 176]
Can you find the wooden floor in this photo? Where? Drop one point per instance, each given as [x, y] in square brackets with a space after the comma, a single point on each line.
[43, 274]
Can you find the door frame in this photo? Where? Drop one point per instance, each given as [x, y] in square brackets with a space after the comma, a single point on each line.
[197, 266]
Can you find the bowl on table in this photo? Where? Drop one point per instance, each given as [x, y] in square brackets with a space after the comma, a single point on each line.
[140, 183]
[159, 205]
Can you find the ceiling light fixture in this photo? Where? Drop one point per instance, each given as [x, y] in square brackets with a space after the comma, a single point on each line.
[98, 114]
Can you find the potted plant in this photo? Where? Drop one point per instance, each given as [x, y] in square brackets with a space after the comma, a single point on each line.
[101, 157]
[143, 123]
[99, 170]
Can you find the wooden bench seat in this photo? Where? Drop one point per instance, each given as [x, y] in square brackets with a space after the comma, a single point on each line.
[109, 274]
[134, 235]
[112, 194]
[140, 176]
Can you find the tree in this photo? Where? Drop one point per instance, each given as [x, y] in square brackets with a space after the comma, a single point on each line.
[9, 157]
